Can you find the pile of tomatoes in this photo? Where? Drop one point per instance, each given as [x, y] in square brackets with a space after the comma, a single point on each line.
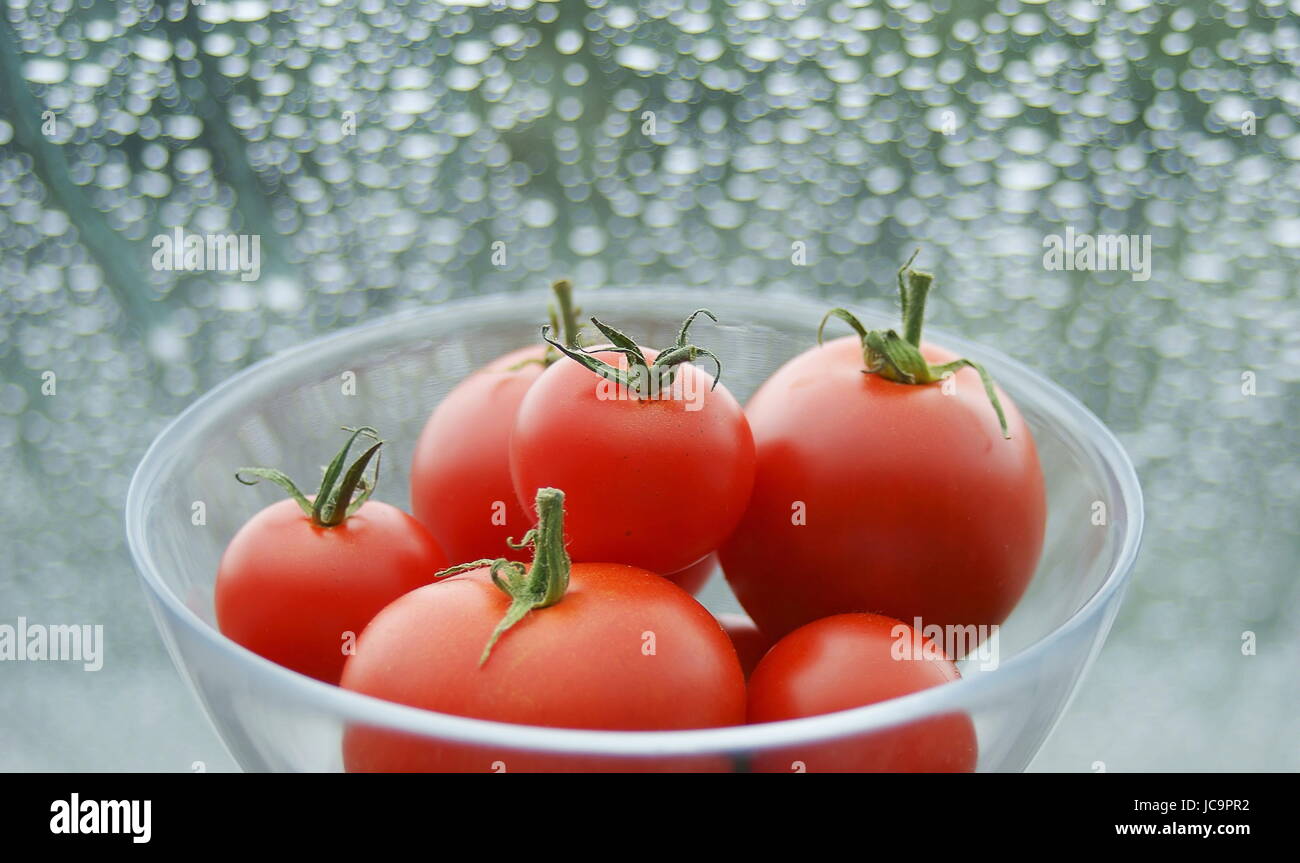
[569, 499]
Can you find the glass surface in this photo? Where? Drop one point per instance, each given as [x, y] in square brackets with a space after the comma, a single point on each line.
[857, 128]
[283, 411]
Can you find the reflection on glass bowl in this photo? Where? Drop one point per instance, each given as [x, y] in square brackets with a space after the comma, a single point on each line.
[285, 409]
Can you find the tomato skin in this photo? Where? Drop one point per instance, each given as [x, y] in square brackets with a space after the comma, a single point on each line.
[750, 644]
[652, 483]
[375, 750]
[289, 590]
[693, 578]
[915, 505]
[847, 661]
[576, 664]
[460, 473]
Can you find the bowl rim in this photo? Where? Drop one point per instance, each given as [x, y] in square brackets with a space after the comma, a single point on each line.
[356, 707]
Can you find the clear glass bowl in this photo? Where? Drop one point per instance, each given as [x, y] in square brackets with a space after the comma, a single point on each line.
[286, 411]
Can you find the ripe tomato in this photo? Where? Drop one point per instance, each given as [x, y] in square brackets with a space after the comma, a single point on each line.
[597, 646]
[693, 578]
[750, 644]
[876, 495]
[847, 661]
[298, 584]
[656, 474]
[460, 474]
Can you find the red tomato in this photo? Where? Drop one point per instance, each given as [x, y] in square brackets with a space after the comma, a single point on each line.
[619, 649]
[655, 482]
[878, 496]
[460, 474]
[847, 661]
[290, 591]
[375, 750]
[582, 663]
[693, 578]
[299, 582]
[750, 644]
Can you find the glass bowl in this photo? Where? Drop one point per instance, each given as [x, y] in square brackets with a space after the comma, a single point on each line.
[286, 411]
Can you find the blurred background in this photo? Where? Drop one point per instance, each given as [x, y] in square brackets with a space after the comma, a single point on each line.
[381, 148]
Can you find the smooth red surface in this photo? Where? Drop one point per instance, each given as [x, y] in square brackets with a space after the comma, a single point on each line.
[693, 578]
[289, 590]
[851, 660]
[915, 505]
[581, 663]
[460, 473]
[649, 482]
[750, 644]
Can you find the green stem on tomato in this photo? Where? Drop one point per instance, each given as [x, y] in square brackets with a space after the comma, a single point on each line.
[641, 376]
[564, 318]
[343, 487]
[567, 311]
[913, 289]
[563, 315]
[898, 358]
[540, 585]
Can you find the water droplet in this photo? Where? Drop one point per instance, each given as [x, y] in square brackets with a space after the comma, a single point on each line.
[638, 57]
[45, 71]
[471, 52]
[1025, 176]
[587, 240]
[154, 50]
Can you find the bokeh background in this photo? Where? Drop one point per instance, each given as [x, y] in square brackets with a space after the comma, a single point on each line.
[663, 142]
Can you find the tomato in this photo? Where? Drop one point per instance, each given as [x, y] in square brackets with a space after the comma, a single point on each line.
[656, 474]
[877, 495]
[693, 578]
[598, 646]
[851, 660]
[460, 474]
[297, 585]
[579, 664]
[750, 644]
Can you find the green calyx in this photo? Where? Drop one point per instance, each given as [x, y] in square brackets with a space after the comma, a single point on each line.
[563, 315]
[564, 318]
[641, 376]
[898, 358]
[343, 488]
[538, 586]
